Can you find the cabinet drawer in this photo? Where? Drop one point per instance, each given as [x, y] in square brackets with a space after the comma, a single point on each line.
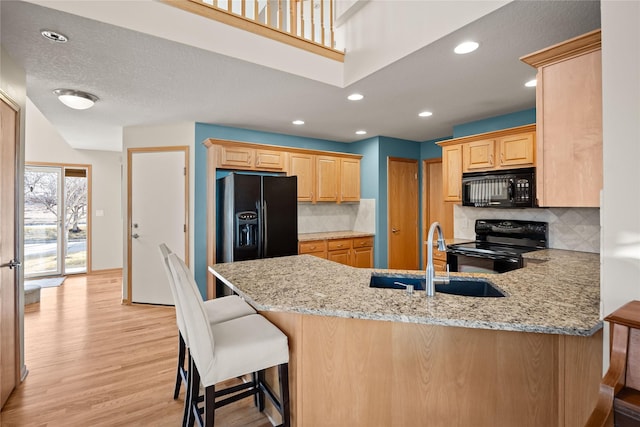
[363, 242]
[312, 246]
[338, 244]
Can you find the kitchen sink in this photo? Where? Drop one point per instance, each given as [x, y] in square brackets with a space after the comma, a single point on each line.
[463, 286]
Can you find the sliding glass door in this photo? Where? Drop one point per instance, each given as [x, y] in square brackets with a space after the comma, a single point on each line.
[55, 220]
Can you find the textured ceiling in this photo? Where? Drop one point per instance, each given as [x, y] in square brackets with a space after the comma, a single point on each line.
[144, 80]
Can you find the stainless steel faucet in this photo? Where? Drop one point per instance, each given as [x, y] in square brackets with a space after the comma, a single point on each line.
[430, 274]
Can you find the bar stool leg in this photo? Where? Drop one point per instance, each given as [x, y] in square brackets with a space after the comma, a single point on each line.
[180, 370]
[209, 405]
[187, 395]
[283, 374]
[194, 376]
[260, 394]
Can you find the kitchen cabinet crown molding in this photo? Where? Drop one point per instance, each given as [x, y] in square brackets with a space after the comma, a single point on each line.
[488, 135]
[210, 142]
[584, 43]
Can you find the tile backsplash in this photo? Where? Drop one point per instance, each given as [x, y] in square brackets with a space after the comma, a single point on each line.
[322, 217]
[576, 229]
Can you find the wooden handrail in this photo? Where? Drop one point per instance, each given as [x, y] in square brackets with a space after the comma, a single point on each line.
[298, 30]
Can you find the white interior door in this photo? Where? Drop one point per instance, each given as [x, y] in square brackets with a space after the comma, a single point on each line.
[158, 215]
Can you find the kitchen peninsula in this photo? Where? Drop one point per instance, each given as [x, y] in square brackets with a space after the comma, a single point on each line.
[362, 356]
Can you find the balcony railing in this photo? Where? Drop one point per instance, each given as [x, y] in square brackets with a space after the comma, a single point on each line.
[307, 24]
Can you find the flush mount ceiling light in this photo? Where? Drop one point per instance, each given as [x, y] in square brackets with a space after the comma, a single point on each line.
[466, 47]
[54, 36]
[355, 97]
[298, 122]
[425, 114]
[361, 132]
[531, 83]
[76, 99]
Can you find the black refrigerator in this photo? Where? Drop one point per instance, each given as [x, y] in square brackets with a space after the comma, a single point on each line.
[257, 217]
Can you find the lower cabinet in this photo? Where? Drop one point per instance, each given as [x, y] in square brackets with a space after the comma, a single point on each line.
[439, 260]
[356, 252]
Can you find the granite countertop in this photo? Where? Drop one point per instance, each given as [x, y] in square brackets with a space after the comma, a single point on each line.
[328, 235]
[557, 292]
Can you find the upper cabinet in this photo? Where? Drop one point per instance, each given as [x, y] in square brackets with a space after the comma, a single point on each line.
[349, 180]
[503, 149]
[322, 176]
[303, 165]
[569, 119]
[247, 158]
[452, 173]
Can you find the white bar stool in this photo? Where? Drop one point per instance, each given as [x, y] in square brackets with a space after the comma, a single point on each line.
[217, 310]
[228, 350]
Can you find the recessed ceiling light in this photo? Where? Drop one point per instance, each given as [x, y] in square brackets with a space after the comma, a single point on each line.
[54, 36]
[531, 83]
[76, 99]
[298, 122]
[355, 97]
[361, 132]
[466, 47]
[426, 114]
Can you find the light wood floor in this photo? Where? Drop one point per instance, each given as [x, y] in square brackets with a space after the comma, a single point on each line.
[95, 362]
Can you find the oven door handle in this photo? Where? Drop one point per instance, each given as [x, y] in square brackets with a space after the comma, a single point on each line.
[485, 256]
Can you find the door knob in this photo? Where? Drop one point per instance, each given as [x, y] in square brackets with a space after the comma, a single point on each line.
[394, 230]
[135, 235]
[14, 263]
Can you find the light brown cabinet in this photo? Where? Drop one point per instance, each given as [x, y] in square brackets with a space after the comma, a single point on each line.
[313, 247]
[349, 180]
[246, 158]
[323, 178]
[569, 119]
[327, 178]
[503, 149]
[512, 151]
[479, 155]
[517, 150]
[303, 166]
[452, 173]
[356, 252]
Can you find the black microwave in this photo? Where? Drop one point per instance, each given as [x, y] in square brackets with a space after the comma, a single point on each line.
[505, 188]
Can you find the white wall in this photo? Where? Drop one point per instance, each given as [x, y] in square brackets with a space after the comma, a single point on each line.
[382, 31]
[620, 273]
[13, 82]
[173, 134]
[44, 144]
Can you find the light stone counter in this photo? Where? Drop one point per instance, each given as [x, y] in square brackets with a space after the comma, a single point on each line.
[558, 292]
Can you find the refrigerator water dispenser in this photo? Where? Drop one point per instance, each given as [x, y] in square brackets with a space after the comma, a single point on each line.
[246, 229]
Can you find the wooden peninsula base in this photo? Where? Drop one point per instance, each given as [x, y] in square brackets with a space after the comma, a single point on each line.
[355, 372]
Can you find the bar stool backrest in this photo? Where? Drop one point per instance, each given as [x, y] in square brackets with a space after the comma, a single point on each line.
[164, 249]
[201, 344]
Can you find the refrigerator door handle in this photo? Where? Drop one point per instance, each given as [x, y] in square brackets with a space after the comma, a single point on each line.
[265, 235]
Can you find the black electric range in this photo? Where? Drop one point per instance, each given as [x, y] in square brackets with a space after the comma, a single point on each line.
[498, 247]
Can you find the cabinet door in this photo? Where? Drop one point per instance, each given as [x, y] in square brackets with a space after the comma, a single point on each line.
[362, 258]
[479, 155]
[342, 256]
[236, 157]
[327, 178]
[270, 160]
[517, 150]
[570, 132]
[452, 173]
[303, 166]
[350, 180]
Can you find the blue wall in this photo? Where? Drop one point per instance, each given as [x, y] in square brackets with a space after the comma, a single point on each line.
[519, 118]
